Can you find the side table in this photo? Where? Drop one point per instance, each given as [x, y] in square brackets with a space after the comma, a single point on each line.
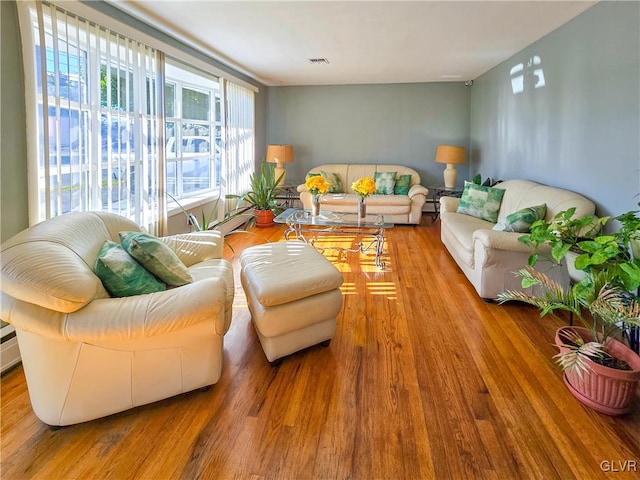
[287, 196]
[437, 191]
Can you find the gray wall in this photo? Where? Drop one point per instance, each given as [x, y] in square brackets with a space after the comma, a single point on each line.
[581, 130]
[13, 142]
[390, 123]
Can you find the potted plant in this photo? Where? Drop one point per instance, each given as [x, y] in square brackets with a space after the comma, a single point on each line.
[262, 195]
[629, 233]
[211, 220]
[609, 254]
[316, 185]
[599, 370]
[629, 237]
[560, 237]
[488, 182]
[363, 187]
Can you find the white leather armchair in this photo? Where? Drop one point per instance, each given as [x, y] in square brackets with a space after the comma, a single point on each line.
[86, 355]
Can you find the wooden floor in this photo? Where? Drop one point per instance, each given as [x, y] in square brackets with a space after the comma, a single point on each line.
[422, 380]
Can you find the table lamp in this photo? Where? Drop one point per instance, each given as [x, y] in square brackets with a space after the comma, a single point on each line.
[450, 155]
[280, 154]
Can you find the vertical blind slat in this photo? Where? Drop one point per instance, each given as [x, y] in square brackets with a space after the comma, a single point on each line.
[101, 127]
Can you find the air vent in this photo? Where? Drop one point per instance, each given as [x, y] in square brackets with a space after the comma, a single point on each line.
[318, 61]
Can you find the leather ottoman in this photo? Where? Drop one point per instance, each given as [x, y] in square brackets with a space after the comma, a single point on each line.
[293, 295]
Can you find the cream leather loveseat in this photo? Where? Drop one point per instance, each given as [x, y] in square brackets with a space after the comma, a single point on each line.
[86, 355]
[405, 209]
[487, 257]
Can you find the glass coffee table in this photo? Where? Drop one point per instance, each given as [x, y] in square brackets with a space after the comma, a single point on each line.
[300, 222]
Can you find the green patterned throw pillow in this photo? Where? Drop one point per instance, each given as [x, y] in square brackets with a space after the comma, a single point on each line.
[157, 257]
[481, 201]
[403, 182]
[334, 181]
[385, 182]
[121, 275]
[521, 220]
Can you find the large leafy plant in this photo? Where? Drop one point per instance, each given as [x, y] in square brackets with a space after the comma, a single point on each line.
[629, 226]
[610, 306]
[264, 189]
[608, 290]
[212, 220]
[561, 234]
[608, 254]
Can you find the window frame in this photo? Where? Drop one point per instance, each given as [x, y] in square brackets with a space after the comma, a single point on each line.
[102, 20]
[175, 153]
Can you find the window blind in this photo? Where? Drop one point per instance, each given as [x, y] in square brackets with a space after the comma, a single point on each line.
[96, 119]
[239, 137]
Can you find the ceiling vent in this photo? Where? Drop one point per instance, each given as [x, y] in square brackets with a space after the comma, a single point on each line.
[319, 61]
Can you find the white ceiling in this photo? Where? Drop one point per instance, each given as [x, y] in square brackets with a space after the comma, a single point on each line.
[392, 41]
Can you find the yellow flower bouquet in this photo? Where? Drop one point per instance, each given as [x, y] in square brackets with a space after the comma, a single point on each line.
[364, 187]
[317, 185]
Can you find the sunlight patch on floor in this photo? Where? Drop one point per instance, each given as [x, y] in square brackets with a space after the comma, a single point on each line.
[387, 289]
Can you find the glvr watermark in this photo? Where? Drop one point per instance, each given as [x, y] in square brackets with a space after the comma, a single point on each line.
[614, 466]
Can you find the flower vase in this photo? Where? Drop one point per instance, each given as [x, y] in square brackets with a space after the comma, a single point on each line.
[315, 205]
[362, 209]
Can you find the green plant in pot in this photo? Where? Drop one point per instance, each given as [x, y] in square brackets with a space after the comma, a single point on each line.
[488, 182]
[609, 255]
[629, 236]
[599, 370]
[262, 194]
[554, 239]
[629, 233]
[211, 220]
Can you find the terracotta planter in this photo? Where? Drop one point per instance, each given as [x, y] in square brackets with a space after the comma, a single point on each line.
[264, 218]
[607, 390]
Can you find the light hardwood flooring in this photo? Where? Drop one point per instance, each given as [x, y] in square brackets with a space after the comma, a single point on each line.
[422, 380]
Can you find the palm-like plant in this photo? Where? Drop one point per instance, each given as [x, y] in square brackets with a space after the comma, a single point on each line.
[263, 189]
[610, 306]
[211, 221]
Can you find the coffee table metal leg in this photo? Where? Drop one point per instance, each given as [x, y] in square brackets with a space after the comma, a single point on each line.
[377, 242]
[296, 229]
[379, 247]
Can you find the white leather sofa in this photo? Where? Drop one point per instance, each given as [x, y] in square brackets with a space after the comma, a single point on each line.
[86, 355]
[489, 258]
[404, 209]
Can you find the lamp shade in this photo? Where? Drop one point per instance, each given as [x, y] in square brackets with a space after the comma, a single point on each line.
[450, 155]
[280, 153]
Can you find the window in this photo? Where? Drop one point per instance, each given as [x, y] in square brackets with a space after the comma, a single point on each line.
[95, 126]
[96, 97]
[193, 131]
